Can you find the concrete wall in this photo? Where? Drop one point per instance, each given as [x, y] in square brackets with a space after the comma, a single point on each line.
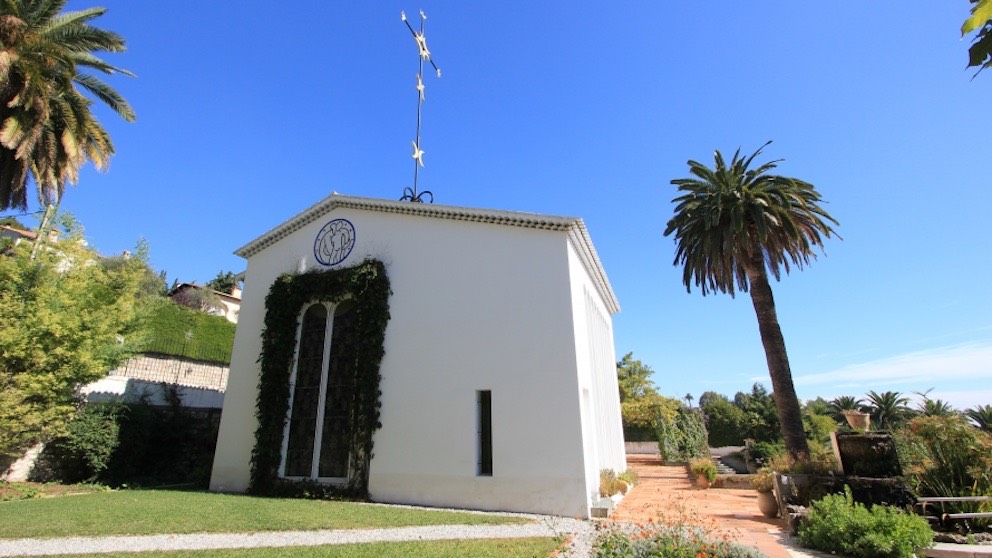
[475, 306]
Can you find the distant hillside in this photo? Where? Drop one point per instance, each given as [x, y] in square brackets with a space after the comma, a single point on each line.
[210, 338]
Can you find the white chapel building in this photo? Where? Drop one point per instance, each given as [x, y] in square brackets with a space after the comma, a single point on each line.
[498, 376]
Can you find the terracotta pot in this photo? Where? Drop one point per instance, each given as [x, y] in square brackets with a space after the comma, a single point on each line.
[767, 504]
[702, 481]
[858, 421]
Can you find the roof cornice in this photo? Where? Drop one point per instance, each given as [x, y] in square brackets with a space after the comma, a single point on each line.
[572, 225]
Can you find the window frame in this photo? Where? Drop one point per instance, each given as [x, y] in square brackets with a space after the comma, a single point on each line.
[331, 309]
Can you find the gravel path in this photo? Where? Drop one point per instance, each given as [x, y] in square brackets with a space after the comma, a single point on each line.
[581, 532]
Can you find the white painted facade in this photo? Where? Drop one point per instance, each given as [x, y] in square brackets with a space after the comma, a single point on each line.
[514, 303]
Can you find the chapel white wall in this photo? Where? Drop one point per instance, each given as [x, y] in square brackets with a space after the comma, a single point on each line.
[480, 307]
[598, 391]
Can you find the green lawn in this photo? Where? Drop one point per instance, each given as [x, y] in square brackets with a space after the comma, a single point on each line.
[145, 512]
[518, 548]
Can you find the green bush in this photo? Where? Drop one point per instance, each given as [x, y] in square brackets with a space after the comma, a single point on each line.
[627, 541]
[724, 423]
[837, 524]
[135, 445]
[210, 338]
[946, 456]
[84, 452]
[683, 436]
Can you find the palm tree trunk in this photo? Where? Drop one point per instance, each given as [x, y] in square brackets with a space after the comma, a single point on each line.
[786, 401]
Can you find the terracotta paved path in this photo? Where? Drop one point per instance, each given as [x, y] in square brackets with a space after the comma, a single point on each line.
[664, 493]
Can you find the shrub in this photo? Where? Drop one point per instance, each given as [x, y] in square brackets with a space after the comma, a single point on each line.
[837, 524]
[682, 437]
[85, 451]
[134, 444]
[610, 483]
[629, 476]
[704, 466]
[763, 481]
[724, 422]
[628, 541]
[946, 456]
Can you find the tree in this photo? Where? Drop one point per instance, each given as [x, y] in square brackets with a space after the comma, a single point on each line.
[843, 403]
[933, 407]
[224, 282]
[47, 131]
[724, 420]
[980, 52]
[981, 416]
[760, 421]
[640, 402]
[733, 225]
[67, 321]
[888, 409]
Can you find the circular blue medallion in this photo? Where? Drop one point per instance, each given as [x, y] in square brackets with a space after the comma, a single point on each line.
[334, 242]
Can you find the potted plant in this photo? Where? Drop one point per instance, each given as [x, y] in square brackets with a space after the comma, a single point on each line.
[764, 482]
[858, 420]
[705, 472]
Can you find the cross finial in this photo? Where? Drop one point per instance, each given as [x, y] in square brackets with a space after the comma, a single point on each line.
[411, 194]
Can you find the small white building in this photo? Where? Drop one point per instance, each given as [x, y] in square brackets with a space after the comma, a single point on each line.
[498, 380]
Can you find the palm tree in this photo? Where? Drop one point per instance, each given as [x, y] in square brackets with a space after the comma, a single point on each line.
[843, 403]
[888, 409]
[935, 408]
[47, 131]
[981, 415]
[733, 225]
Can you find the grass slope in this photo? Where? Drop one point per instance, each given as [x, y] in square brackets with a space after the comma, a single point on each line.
[146, 512]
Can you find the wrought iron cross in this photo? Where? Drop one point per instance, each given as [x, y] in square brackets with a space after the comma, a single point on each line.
[411, 194]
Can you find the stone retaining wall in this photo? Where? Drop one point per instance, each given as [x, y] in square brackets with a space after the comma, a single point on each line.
[171, 370]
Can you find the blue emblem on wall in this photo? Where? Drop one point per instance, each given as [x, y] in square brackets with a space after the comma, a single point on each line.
[334, 242]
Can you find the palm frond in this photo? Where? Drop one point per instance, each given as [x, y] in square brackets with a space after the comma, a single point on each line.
[729, 215]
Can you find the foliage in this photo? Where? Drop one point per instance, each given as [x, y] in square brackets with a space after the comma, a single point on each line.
[145, 445]
[725, 422]
[196, 298]
[935, 408]
[12, 222]
[888, 409]
[704, 466]
[64, 320]
[763, 452]
[47, 131]
[629, 476]
[734, 225]
[981, 416]
[819, 427]
[149, 512]
[761, 421]
[839, 405]
[211, 338]
[818, 406]
[819, 463]
[92, 437]
[763, 480]
[658, 540]
[945, 456]
[610, 483]
[224, 282]
[640, 402]
[368, 286]
[980, 52]
[682, 437]
[839, 525]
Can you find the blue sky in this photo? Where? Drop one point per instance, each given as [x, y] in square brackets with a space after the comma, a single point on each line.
[249, 112]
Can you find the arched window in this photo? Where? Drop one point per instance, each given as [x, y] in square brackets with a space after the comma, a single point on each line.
[318, 436]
